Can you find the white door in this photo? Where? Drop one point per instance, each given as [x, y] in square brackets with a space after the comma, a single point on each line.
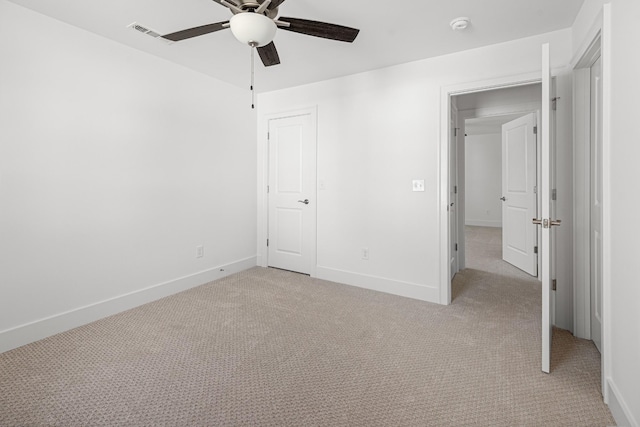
[596, 203]
[292, 193]
[519, 238]
[546, 222]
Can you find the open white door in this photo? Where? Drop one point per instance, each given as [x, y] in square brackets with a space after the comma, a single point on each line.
[545, 221]
[596, 204]
[519, 204]
[453, 193]
[292, 193]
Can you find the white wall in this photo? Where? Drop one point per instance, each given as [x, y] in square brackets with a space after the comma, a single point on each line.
[622, 221]
[483, 180]
[376, 132]
[114, 166]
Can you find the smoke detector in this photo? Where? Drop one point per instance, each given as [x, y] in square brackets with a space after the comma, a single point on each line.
[460, 23]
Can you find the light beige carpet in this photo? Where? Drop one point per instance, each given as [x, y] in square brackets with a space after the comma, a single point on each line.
[271, 348]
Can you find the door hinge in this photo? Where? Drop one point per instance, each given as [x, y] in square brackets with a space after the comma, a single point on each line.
[456, 249]
[455, 131]
[455, 189]
[554, 194]
[554, 103]
[267, 189]
[535, 249]
[535, 130]
[535, 189]
[268, 136]
[267, 242]
[554, 284]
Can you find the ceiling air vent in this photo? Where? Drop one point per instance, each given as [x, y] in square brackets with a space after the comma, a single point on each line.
[148, 31]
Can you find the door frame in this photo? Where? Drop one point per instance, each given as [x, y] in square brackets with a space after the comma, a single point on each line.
[597, 39]
[443, 188]
[582, 176]
[262, 232]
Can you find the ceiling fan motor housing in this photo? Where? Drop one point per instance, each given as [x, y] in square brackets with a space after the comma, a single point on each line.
[249, 5]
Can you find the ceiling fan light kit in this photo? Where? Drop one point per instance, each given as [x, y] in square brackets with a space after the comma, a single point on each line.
[253, 29]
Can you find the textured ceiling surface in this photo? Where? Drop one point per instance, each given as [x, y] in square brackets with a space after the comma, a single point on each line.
[391, 32]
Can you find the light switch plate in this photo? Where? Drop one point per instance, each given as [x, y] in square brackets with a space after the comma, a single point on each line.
[418, 185]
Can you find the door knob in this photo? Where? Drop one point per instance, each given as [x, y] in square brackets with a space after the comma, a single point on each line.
[504, 199]
[546, 223]
[305, 201]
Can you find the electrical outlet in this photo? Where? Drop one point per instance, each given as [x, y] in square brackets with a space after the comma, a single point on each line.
[418, 185]
[199, 251]
[365, 253]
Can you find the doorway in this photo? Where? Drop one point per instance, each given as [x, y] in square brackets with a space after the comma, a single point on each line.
[291, 192]
[487, 195]
[545, 155]
[588, 181]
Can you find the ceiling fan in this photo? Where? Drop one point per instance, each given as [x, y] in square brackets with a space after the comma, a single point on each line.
[254, 22]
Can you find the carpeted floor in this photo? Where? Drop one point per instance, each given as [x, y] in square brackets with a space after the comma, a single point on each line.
[271, 348]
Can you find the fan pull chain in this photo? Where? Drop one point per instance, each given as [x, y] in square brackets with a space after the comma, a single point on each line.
[253, 96]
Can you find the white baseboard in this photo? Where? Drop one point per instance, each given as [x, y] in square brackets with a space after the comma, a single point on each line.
[42, 328]
[380, 284]
[618, 407]
[483, 223]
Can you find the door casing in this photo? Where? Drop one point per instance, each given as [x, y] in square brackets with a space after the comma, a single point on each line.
[597, 47]
[446, 94]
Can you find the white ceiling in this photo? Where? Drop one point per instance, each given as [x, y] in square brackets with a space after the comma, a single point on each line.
[519, 98]
[391, 32]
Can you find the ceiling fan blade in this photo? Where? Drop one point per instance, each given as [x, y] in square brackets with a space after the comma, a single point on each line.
[320, 29]
[233, 3]
[269, 55]
[196, 31]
